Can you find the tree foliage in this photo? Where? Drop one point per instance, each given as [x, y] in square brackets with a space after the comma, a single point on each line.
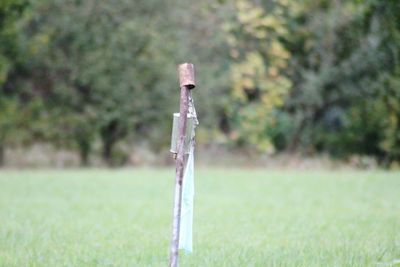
[311, 76]
[259, 61]
[104, 68]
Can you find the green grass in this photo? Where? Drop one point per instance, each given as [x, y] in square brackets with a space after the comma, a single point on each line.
[242, 218]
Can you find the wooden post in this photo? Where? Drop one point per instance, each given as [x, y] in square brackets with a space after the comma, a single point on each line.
[186, 78]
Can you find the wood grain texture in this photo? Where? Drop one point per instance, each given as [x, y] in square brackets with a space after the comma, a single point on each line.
[180, 166]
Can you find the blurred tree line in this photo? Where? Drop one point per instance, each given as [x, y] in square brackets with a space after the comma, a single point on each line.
[273, 75]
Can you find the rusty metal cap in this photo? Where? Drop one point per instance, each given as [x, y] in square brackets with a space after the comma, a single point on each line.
[186, 75]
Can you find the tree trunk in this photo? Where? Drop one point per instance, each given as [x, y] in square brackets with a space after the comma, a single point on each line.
[108, 145]
[84, 152]
[295, 141]
[110, 135]
[2, 155]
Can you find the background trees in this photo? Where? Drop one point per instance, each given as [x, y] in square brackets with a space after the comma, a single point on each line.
[11, 109]
[310, 76]
[343, 57]
[105, 66]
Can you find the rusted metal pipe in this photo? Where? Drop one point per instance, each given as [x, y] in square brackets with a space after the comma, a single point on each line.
[186, 79]
[186, 75]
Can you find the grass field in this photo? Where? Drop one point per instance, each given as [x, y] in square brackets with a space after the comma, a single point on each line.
[242, 218]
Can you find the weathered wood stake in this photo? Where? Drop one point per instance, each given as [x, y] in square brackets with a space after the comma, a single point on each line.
[186, 78]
